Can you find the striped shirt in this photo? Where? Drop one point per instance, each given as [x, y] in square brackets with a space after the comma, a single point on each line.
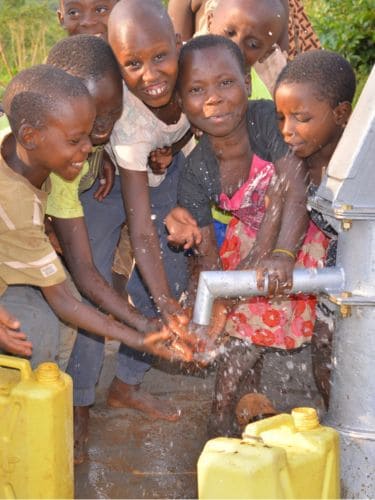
[26, 255]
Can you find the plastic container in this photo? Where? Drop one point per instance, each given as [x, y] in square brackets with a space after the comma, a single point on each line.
[36, 431]
[285, 456]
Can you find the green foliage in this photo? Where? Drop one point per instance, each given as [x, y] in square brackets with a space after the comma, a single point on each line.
[28, 28]
[347, 27]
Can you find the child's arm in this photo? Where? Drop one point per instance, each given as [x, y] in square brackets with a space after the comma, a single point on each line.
[74, 312]
[145, 240]
[74, 240]
[182, 18]
[106, 178]
[11, 339]
[294, 219]
[269, 228]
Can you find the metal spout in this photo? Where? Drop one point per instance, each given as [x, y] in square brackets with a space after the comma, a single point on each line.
[213, 284]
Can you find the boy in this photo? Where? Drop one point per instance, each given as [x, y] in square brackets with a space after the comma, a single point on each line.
[297, 35]
[85, 16]
[88, 231]
[151, 119]
[49, 112]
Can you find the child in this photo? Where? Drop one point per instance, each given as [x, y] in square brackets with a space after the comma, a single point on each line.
[313, 98]
[192, 17]
[256, 27]
[48, 111]
[88, 231]
[151, 119]
[85, 16]
[213, 92]
[91, 17]
[238, 17]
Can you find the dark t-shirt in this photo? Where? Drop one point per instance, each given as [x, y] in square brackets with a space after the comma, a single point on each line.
[199, 184]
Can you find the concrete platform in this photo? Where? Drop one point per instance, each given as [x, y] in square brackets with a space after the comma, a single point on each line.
[132, 456]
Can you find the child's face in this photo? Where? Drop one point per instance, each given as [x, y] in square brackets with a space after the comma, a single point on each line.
[213, 91]
[88, 17]
[148, 60]
[308, 124]
[251, 25]
[107, 95]
[63, 144]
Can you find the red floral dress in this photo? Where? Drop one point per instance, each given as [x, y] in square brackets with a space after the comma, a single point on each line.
[280, 323]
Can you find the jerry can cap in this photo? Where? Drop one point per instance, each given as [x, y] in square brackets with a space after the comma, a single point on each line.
[305, 418]
[47, 372]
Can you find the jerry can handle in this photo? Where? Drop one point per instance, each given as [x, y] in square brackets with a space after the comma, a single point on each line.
[255, 429]
[23, 365]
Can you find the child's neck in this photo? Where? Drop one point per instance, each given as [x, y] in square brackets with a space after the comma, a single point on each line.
[170, 113]
[233, 153]
[17, 159]
[317, 163]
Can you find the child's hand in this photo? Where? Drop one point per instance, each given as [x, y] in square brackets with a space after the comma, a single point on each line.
[279, 268]
[11, 340]
[106, 178]
[218, 319]
[207, 337]
[183, 228]
[160, 159]
[166, 345]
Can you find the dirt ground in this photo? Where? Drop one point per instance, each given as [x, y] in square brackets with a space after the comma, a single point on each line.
[132, 456]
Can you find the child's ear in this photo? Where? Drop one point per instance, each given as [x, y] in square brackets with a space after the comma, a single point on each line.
[60, 17]
[342, 113]
[209, 21]
[28, 136]
[179, 100]
[178, 42]
[248, 82]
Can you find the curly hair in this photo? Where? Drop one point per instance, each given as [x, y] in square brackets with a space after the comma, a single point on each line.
[87, 57]
[207, 42]
[37, 92]
[331, 75]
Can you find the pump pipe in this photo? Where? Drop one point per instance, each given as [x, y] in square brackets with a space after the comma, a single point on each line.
[213, 284]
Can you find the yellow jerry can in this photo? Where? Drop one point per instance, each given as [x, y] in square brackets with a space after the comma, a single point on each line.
[36, 430]
[285, 456]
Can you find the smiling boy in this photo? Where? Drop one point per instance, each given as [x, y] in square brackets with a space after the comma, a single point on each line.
[51, 115]
[88, 17]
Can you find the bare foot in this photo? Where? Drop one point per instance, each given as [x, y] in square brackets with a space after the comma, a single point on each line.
[81, 433]
[123, 395]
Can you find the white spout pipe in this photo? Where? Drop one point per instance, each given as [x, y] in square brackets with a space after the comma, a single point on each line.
[213, 284]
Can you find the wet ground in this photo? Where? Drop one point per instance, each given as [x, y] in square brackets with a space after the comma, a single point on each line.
[132, 456]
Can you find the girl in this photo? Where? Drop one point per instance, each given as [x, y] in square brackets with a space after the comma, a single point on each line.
[242, 164]
[313, 98]
[213, 101]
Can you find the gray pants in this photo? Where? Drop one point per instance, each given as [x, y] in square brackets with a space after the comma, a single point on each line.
[104, 221]
[38, 321]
